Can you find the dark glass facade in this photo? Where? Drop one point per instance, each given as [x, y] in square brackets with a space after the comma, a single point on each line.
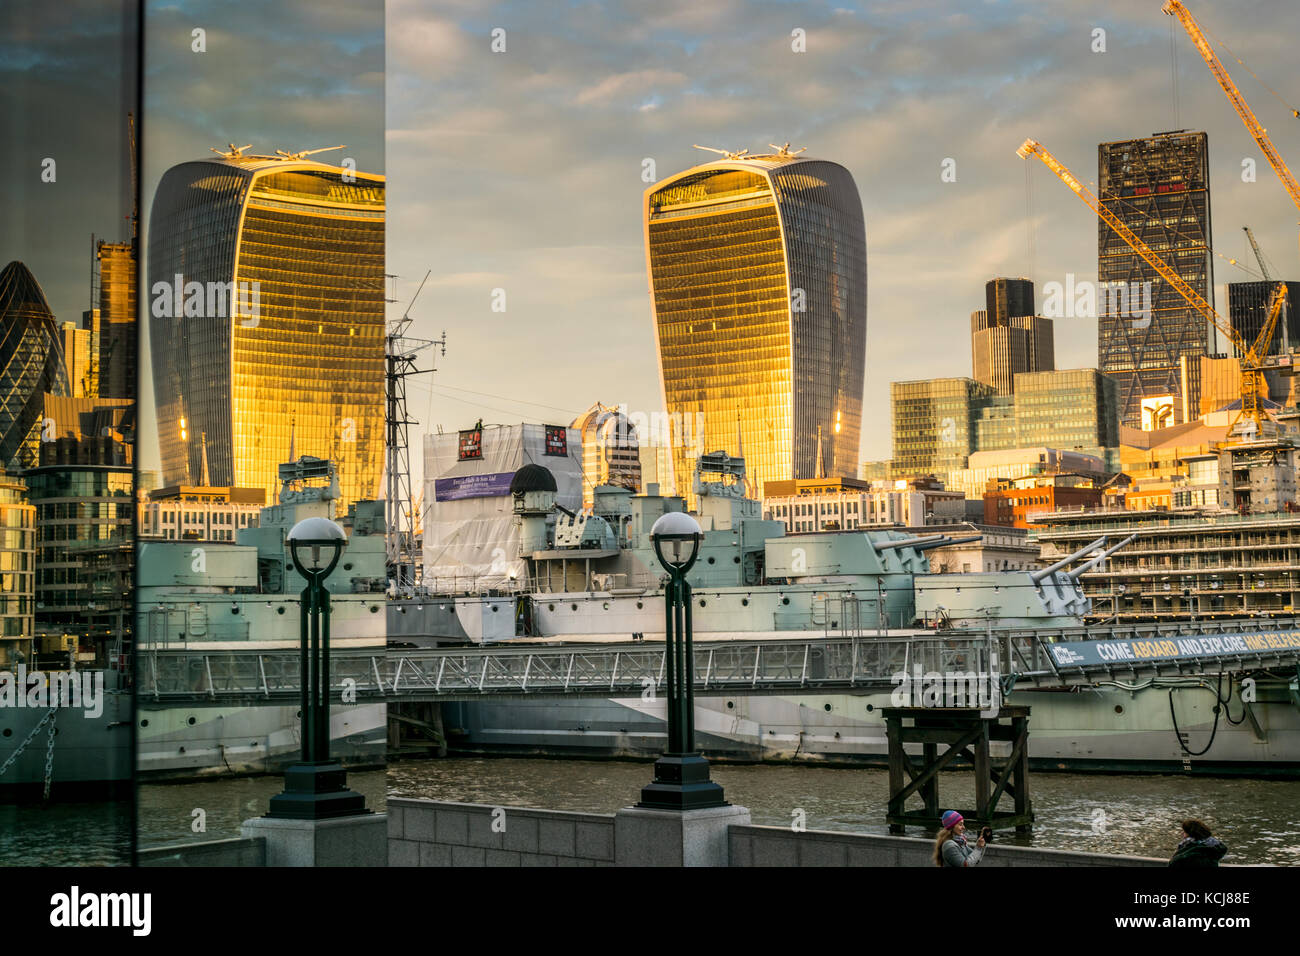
[1248, 304]
[758, 281]
[1160, 188]
[31, 363]
[301, 370]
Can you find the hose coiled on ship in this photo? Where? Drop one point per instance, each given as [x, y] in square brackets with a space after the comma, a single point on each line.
[1220, 705]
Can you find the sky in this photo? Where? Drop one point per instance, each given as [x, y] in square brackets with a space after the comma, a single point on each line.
[292, 75]
[522, 170]
[67, 81]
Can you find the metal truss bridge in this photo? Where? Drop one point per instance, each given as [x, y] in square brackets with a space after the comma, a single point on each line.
[818, 663]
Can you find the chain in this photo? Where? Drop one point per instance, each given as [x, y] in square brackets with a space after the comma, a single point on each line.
[30, 737]
[49, 753]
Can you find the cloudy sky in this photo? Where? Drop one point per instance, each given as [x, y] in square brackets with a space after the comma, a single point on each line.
[521, 170]
[67, 81]
[292, 75]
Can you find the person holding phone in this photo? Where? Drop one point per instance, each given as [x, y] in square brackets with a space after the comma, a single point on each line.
[951, 847]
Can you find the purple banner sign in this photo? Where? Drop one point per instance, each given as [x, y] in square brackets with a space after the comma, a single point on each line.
[472, 486]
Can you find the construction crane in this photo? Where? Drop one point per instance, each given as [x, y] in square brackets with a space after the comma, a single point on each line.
[1175, 9]
[1250, 356]
[1263, 268]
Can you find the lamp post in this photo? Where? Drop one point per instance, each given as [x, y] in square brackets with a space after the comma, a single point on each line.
[681, 780]
[315, 788]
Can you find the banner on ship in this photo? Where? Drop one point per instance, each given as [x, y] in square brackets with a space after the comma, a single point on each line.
[1085, 653]
[472, 486]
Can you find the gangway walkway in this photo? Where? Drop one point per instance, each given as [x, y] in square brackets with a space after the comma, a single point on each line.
[818, 663]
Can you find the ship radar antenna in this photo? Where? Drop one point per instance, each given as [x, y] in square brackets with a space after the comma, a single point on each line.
[232, 151]
[728, 153]
[784, 151]
[303, 154]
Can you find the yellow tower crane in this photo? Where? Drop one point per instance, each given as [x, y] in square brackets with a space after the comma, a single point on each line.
[1251, 356]
[1175, 9]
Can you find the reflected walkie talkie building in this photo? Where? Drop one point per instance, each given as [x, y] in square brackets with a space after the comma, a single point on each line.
[266, 314]
[758, 281]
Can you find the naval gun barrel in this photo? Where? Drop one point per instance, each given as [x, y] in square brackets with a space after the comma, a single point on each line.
[1074, 574]
[947, 541]
[1037, 576]
[920, 542]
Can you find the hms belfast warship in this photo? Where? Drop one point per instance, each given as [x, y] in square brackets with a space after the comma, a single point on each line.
[554, 574]
[243, 595]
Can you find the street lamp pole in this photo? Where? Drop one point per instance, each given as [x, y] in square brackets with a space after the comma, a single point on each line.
[681, 780]
[315, 788]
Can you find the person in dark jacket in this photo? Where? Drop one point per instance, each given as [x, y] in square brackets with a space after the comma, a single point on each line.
[950, 846]
[1198, 847]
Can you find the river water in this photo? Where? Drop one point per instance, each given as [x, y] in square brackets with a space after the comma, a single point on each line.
[1136, 814]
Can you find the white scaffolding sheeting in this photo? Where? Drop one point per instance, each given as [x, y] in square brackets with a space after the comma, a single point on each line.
[471, 540]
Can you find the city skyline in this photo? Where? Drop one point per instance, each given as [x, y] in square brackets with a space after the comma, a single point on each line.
[603, 107]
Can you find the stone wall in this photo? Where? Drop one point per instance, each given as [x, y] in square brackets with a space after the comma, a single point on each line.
[430, 833]
[780, 846]
[238, 851]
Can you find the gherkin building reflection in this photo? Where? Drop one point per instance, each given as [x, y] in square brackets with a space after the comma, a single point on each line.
[758, 281]
[266, 320]
[31, 363]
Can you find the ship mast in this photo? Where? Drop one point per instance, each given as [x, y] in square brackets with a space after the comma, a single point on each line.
[400, 351]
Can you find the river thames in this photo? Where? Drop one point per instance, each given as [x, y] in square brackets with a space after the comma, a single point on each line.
[1129, 814]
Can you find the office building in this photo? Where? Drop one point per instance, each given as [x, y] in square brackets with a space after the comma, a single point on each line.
[757, 272]
[17, 572]
[1159, 187]
[1006, 341]
[198, 513]
[31, 363]
[266, 305]
[117, 274]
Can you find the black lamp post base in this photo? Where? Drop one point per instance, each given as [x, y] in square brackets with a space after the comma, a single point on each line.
[682, 783]
[316, 791]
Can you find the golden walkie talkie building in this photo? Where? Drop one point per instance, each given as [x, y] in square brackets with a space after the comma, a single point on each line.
[758, 283]
[266, 317]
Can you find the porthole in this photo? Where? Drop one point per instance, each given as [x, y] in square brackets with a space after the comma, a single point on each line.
[573, 607]
[550, 607]
[145, 722]
[1119, 708]
[235, 609]
[374, 608]
[605, 605]
[280, 610]
[870, 708]
[347, 567]
[712, 560]
[827, 708]
[495, 608]
[701, 602]
[785, 600]
[7, 732]
[736, 559]
[731, 704]
[744, 602]
[192, 721]
[639, 605]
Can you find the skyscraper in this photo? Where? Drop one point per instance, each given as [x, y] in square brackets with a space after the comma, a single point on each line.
[31, 363]
[1248, 304]
[1160, 188]
[758, 282]
[117, 349]
[1007, 338]
[267, 320]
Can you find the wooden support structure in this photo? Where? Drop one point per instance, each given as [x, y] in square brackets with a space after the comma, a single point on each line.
[966, 734]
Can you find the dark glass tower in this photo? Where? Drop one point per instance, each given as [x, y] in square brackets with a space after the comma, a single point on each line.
[1160, 188]
[758, 283]
[31, 363]
[296, 367]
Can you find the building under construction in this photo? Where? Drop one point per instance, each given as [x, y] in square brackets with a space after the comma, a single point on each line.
[1160, 188]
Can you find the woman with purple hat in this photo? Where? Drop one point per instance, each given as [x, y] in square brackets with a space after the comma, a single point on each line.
[950, 846]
